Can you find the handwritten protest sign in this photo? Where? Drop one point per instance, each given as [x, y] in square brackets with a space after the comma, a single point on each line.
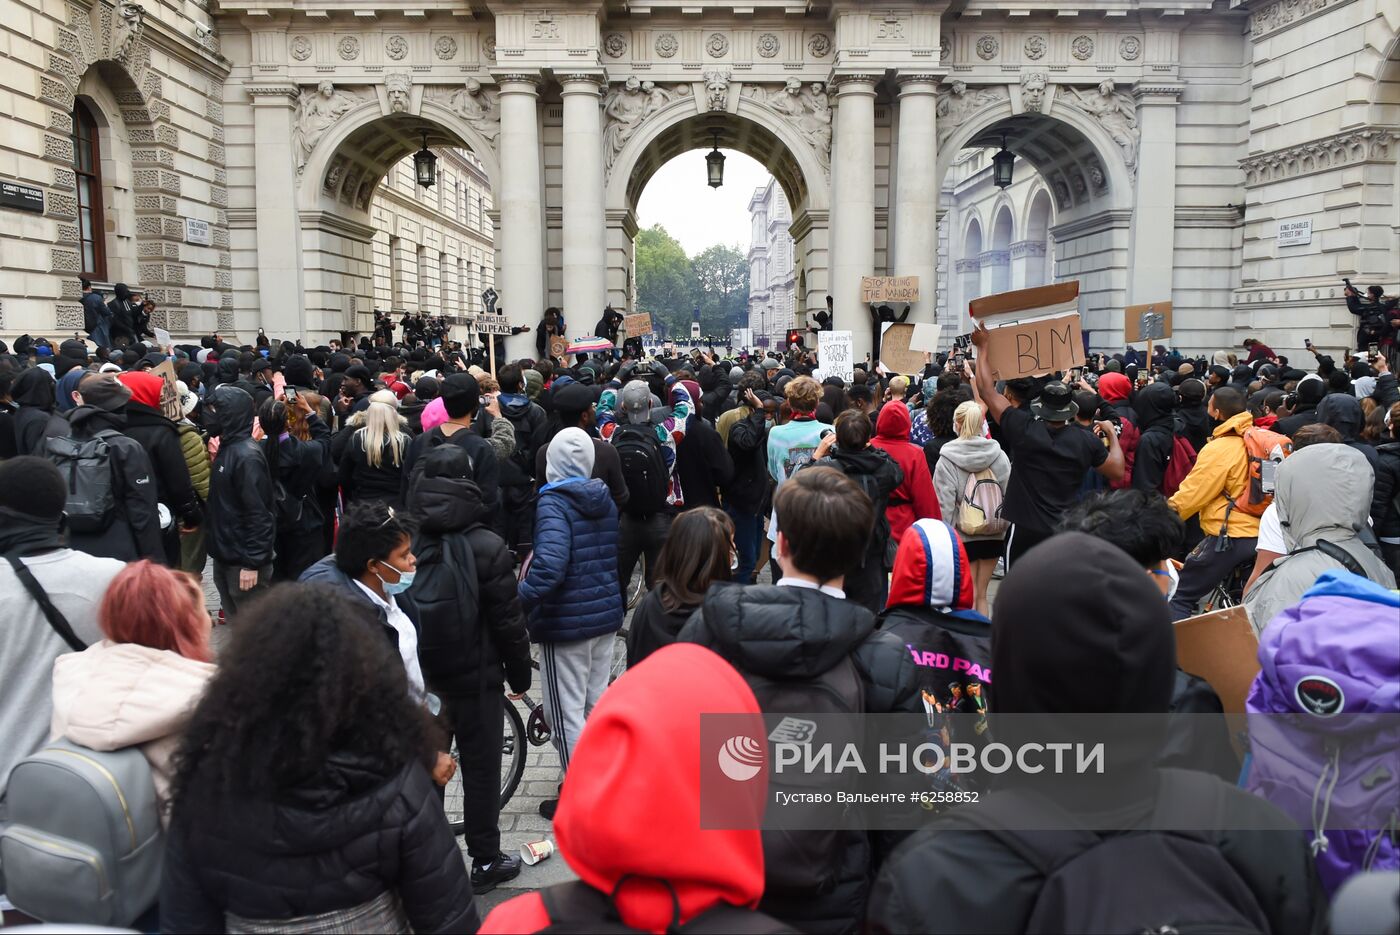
[896, 356]
[874, 289]
[491, 325]
[558, 345]
[1221, 648]
[1150, 322]
[638, 324]
[835, 351]
[925, 337]
[1033, 331]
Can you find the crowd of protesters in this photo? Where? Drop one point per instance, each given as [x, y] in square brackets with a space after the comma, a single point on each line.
[398, 537]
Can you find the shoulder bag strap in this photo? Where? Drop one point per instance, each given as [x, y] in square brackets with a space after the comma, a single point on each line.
[51, 613]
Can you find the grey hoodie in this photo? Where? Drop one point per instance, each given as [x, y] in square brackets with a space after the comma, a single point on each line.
[570, 454]
[1324, 492]
[956, 460]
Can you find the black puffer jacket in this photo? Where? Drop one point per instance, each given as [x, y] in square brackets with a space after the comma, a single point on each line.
[355, 830]
[161, 439]
[879, 476]
[1385, 518]
[239, 518]
[471, 626]
[749, 486]
[800, 633]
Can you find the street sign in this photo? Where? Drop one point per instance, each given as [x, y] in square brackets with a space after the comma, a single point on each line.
[23, 197]
[197, 232]
[1295, 233]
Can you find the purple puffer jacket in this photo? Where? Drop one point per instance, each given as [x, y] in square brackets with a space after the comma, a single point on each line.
[1332, 664]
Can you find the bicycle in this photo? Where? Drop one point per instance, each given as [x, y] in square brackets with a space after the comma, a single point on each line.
[1230, 591]
[533, 731]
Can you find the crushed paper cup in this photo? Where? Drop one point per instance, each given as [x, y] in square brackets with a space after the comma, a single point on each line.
[534, 852]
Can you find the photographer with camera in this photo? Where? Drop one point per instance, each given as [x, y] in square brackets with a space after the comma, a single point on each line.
[1378, 319]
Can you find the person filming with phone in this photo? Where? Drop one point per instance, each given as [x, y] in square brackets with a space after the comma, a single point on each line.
[1378, 319]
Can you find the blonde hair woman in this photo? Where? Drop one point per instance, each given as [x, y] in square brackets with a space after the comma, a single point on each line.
[371, 463]
[962, 458]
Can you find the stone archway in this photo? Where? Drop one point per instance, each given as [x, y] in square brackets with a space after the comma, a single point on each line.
[1085, 148]
[344, 151]
[786, 128]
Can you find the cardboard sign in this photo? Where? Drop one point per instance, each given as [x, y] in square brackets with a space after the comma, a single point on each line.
[1221, 648]
[877, 289]
[925, 337]
[836, 352]
[1035, 348]
[638, 324]
[166, 371]
[558, 346]
[489, 326]
[896, 356]
[162, 337]
[1150, 322]
[1059, 297]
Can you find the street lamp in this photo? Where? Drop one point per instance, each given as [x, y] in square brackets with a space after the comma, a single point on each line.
[1003, 163]
[425, 164]
[714, 164]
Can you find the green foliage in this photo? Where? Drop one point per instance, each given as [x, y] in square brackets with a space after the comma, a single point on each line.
[670, 285]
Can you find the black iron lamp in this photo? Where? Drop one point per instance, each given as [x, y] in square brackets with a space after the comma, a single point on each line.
[714, 165]
[425, 164]
[1003, 164]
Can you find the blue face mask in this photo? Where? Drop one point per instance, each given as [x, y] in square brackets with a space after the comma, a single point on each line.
[398, 587]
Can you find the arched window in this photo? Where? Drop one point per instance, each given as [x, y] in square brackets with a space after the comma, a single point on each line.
[87, 167]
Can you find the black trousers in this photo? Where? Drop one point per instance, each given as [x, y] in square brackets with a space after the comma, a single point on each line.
[1020, 540]
[477, 721]
[637, 536]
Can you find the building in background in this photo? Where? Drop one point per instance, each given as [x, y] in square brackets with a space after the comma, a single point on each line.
[433, 250]
[772, 275]
[991, 239]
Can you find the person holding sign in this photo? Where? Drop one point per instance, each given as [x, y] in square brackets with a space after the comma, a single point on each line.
[1049, 455]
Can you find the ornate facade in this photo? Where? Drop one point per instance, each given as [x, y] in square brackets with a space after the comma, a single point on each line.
[772, 275]
[226, 155]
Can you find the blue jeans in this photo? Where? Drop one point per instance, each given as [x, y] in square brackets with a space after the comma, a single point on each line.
[748, 533]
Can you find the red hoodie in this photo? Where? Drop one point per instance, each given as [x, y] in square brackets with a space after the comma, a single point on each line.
[915, 498]
[145, 387]
[631, 799]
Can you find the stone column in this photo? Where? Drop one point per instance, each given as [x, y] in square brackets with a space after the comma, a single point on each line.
[916, 191]
[281, 296]
[520, 236]
[853, 206]
[1154, 211]
[585, 230]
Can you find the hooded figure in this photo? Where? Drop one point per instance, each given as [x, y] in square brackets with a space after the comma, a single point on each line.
[67, 384]
[1323, 497]
[239, 517]
[879, 477]
[1079, 629]
[913, 499]
[123, 325]
[1343, 413]
[1116, 389]
[1155, 415]
[35, 392]
[931, 610]
[641, 763]
[1309, 393]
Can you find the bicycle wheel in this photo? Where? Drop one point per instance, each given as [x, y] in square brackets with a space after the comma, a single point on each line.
[513, 747]
[637, 584]
[619, 657]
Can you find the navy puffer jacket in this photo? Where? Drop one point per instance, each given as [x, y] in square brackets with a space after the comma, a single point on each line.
[571, 590]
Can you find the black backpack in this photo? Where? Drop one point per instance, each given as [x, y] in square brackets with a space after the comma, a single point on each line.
[798, 863]
[86, 466]
[643, 468]
[578, 907]
[1093, 881]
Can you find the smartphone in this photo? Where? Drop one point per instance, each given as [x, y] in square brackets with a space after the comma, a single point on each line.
[1307, 342]
[291, 393]
[1076, 374]
[1373, 349]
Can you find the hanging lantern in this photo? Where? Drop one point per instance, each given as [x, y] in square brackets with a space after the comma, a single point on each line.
[1003, 164]
[425, 164]
[714, 165]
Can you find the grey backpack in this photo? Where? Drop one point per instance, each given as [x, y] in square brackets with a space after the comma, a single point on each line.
[84, 842]
[86, 465]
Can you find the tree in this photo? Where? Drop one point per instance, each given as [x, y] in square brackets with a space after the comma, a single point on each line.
[665, 283]
[722, 278]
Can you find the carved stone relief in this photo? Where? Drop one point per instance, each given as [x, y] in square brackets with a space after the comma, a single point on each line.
[987, 47]
[768, 45]
[667, 45]
[958, 103]
[317, 111]
[126, 30]
[1115, 112]
[1130, 47]
[445, 48]
[717, 45]
[615, 45]
[399, 86]
[806, 109]
[396, 47]
[1033, 91]
[301, 48]
[819, 45]
[1035, 47]
[349, 48]
[945, 47]
[475, 104]
[1082, 47]
[624, 109]
[717, 89]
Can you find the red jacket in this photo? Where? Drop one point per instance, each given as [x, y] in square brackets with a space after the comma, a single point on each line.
[630, 805]
[914, 499]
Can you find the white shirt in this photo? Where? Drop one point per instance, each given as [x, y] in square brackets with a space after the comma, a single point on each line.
[408, 641]
[826, 589]
[1271, 532]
